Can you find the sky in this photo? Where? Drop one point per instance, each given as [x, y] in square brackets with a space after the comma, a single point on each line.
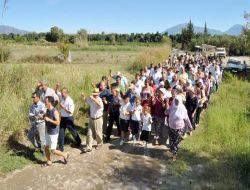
[122, 16]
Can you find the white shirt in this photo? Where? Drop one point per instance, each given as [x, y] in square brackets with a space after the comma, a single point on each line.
[146, 122]
[156, 77]
[49, 92]
[96, 111]
[136, 116]
[69, 105]
[123, 109]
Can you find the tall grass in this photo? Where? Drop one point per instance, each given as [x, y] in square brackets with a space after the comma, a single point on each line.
[222, 142]
[151, 55]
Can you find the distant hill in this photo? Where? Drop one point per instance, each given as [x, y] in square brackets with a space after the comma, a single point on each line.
[9, 29]
[235, 30]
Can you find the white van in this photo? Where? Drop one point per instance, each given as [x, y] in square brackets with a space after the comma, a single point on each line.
[221, 52]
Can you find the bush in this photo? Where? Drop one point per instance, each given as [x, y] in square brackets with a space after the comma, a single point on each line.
[152, 55]
[4, 54]
[42, 59]
[64, 49]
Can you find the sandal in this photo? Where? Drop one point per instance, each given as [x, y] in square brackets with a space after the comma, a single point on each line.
[66, 158]
[47, 164]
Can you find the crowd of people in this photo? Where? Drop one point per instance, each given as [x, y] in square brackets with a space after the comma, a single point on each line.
[162, 105]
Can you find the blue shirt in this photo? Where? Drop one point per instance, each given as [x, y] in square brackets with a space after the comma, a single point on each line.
[36, 110]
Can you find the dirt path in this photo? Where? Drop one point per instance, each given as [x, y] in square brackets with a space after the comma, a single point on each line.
[111, 167]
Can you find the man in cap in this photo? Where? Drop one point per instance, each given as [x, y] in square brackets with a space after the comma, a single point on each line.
[95, 120]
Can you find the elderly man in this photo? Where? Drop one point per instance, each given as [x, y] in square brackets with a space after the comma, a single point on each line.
[48, 92]
[36, 113]
[67, 119]
[95, 120]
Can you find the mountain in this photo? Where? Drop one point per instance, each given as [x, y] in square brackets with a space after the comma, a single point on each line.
[234, 30]
[9, 29]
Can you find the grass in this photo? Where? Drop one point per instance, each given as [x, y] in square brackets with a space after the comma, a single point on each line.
[17, 82]
[221, 144]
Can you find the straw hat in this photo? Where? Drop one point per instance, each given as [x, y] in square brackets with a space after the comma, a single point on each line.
[96, 92]
[131, 86]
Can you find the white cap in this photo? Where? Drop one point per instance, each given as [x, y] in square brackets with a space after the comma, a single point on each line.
[162, 83]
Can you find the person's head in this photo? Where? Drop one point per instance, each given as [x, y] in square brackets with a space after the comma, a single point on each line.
[151, 82]
[175, 77]
[118, 80]
[57, 85]
[35, 97]
[161, 94]
[126, 99]
[115, 92]
[102, 86]
[49, 101]
[162, 84]
[138, 101]
[137, 76]
[65, 93]
[146, 83]
[178, 100]
[104, 78]
[155, 68]
[44, 85]
[146, 108]
[95, 92]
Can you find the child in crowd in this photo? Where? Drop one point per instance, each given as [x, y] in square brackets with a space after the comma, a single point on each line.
[146, 125]
[124, 117]
[136, 112]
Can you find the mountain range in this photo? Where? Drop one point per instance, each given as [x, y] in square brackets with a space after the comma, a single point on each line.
[235, 30]
[9, 29]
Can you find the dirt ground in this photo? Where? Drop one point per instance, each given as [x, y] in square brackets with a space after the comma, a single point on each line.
[111, 167]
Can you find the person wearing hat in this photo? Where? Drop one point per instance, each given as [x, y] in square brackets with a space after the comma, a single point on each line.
[95, 120]
[131, 93]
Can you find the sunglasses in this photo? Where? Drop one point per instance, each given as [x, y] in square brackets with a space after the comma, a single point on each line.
[33, 96]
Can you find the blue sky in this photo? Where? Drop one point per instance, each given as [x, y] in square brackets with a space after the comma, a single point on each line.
[122, 16]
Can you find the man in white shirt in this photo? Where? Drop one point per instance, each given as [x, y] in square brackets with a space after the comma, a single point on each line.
[67, 119]
[48, 92]
[95, 120]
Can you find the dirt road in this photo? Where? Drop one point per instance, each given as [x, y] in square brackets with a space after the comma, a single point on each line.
[111, 167]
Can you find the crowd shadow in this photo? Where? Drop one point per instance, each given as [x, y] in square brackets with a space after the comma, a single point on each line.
[22, 150]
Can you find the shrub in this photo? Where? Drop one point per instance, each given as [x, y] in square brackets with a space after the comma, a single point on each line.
[151, 55]
[64, 49]
[4, 54]
[42, 59]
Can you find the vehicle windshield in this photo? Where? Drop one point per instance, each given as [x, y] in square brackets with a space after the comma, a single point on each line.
[234, 62]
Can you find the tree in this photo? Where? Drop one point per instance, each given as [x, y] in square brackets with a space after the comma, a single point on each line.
[112, 39]
[82, 38]
[187, 34]
[205, 30]
[55, 35]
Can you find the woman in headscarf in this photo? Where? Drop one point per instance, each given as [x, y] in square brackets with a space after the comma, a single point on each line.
[178, 120]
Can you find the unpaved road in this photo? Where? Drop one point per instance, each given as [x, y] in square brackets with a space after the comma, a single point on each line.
[111, 167]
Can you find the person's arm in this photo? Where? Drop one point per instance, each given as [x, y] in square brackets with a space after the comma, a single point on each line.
[69, 109]
[56, 121]
[98, 102]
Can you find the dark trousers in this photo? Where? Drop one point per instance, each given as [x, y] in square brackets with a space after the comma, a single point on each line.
[175, 139]
[191, 120]
[67, 123]
[197, 115]
[113, 117]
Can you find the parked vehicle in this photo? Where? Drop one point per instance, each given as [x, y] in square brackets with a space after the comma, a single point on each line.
[234, 65]
[221, 52]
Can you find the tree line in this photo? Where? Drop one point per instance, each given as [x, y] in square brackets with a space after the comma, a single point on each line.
[235, 45]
